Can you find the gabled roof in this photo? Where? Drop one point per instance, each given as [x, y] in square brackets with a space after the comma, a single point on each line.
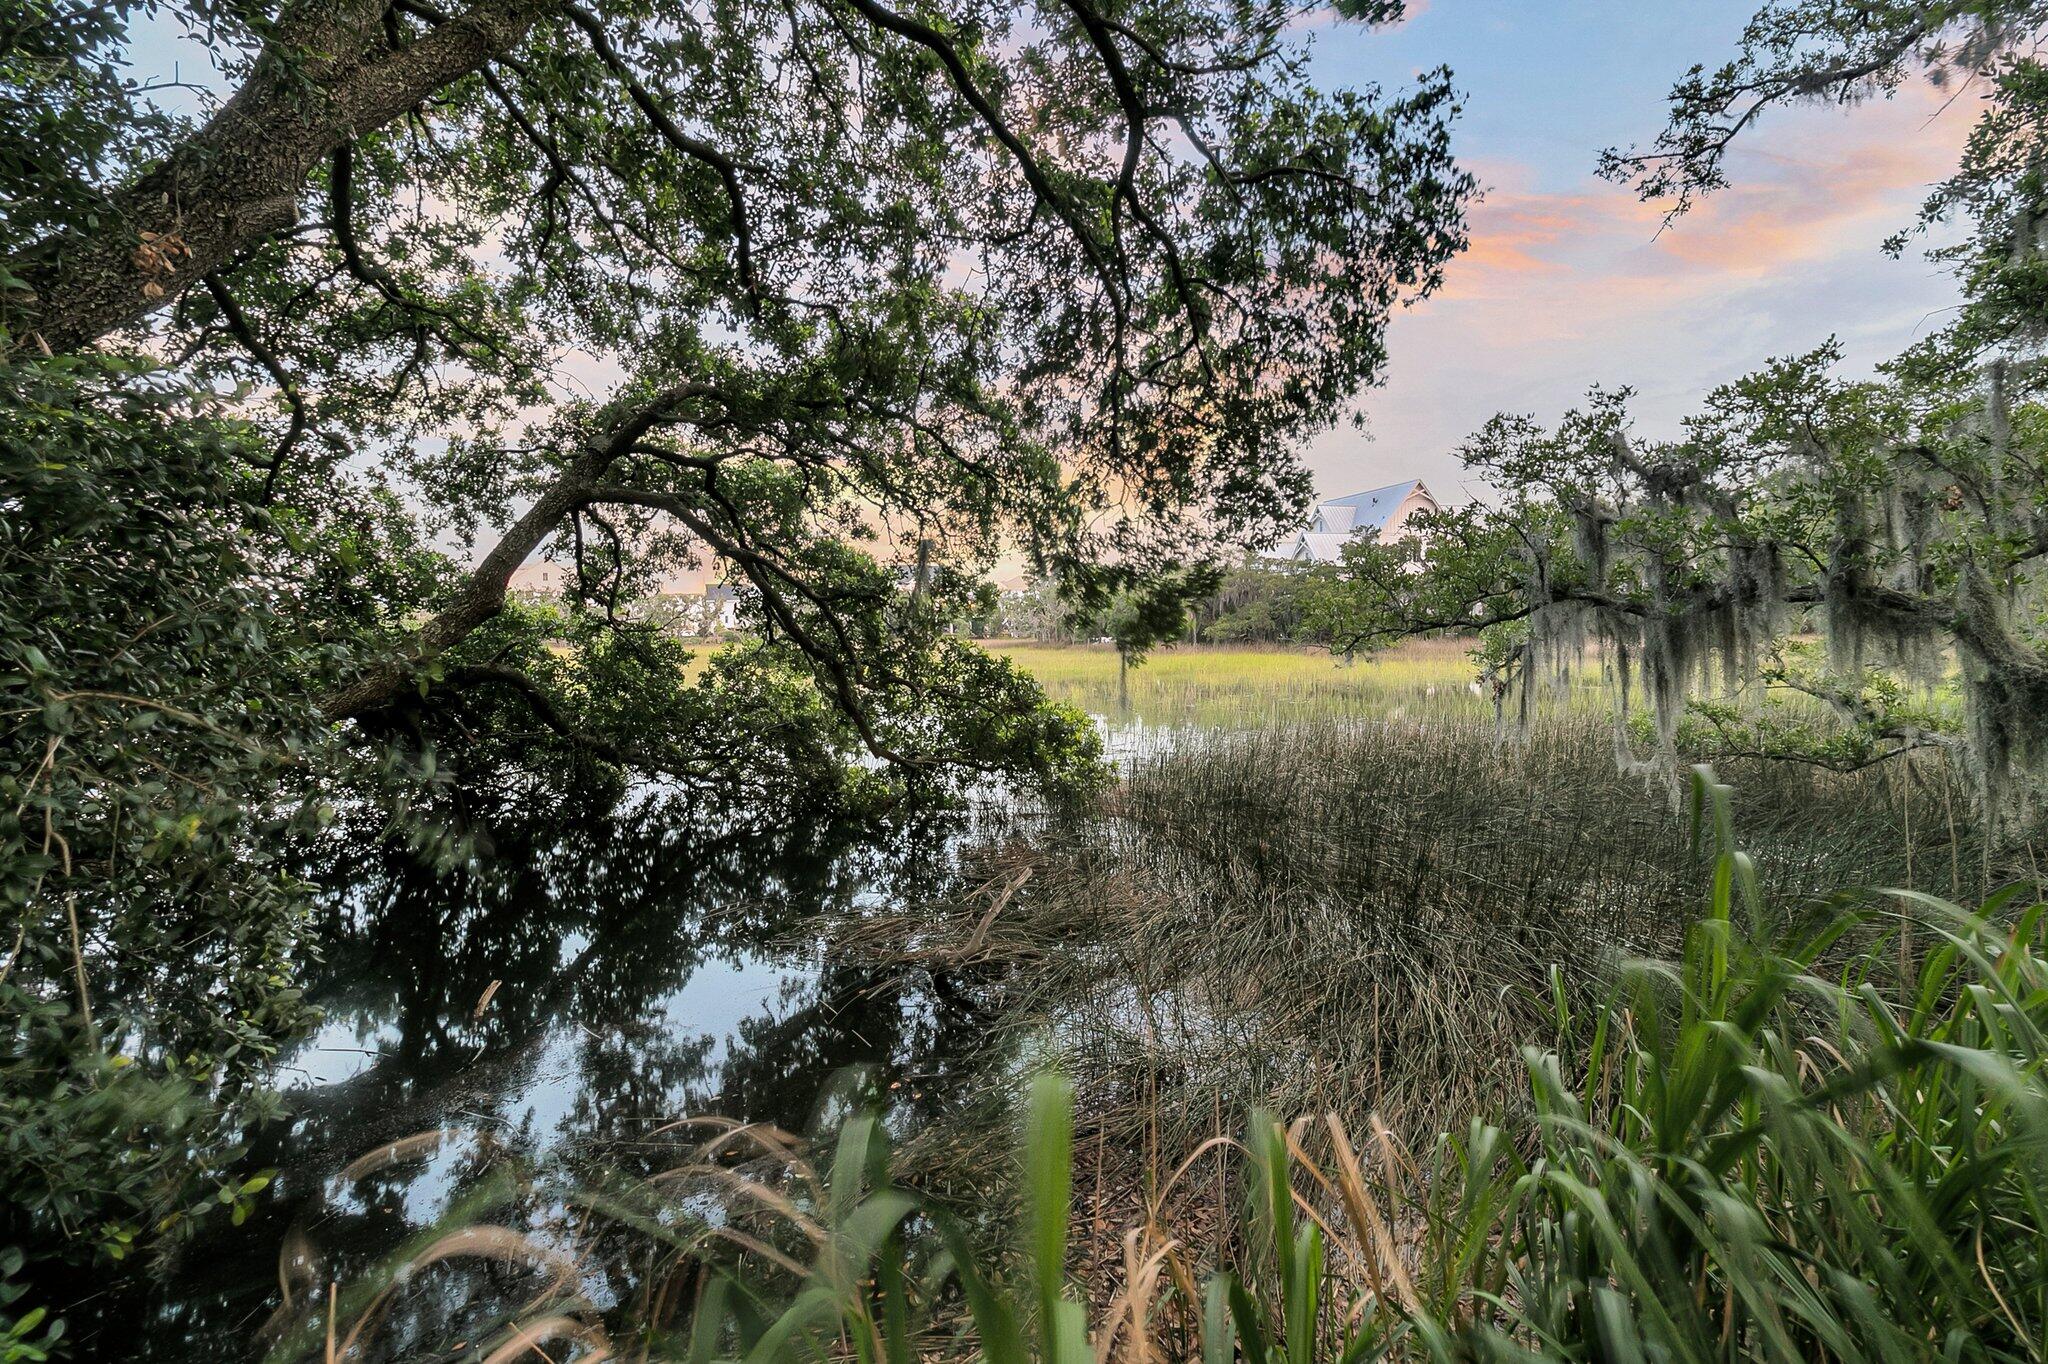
[1370, 509]
[1317, 547]
[1334, 519]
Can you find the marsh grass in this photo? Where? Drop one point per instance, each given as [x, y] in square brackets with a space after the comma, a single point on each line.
[1593, 1078]
[1371, 919]
[1732, 1155]
[1227, 687]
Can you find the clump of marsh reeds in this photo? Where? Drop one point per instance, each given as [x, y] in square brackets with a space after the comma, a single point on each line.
[1373, 919]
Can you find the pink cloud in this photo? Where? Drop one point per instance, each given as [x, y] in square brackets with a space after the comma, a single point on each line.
[1568, 285]
[1796, 201]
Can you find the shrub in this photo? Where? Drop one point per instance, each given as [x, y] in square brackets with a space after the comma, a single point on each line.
[151, 727]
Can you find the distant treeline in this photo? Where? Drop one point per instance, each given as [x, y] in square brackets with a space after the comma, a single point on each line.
[1259, 602]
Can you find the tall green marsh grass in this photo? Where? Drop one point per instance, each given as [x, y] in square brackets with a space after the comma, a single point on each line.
[1226, 687]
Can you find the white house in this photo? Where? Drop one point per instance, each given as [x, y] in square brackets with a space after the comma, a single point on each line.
[1384, 511]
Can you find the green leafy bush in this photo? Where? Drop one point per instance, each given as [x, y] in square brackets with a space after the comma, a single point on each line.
[1781, 1146]
[155, 737]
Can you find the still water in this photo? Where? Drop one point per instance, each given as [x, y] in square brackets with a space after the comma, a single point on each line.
[583, 980]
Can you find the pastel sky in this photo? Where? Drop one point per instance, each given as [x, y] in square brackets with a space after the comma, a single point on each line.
[1569, 282]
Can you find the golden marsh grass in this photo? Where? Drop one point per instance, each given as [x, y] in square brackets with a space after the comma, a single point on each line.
[1236, 687]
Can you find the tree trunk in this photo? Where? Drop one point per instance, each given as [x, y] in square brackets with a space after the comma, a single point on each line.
[481, 596]
[239, 179]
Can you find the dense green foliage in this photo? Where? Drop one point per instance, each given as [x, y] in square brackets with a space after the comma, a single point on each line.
[1254, 602]
[1259, 603]
[156, 736]
[166, 757]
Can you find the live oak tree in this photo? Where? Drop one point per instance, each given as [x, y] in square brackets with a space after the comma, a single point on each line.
[1905, 517]
[779, 289]
[1071, 281]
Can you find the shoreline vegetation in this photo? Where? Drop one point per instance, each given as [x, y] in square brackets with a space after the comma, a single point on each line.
[1682, 1086]
[1572, 1068]
[1376, 917]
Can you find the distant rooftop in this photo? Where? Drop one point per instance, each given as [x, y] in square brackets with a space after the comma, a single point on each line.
[1369, 510]
[1335, 520]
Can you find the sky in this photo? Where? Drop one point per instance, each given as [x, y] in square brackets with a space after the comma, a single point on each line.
[1569, 282]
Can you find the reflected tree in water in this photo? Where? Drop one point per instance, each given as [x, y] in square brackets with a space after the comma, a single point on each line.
[639, 967]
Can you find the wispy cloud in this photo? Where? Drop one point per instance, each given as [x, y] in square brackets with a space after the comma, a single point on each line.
[1569, 285]
[1806, 198]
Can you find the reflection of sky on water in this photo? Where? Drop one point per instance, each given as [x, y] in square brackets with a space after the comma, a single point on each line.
[717, 997]
[340, 1050]
[645, 972]
[639, 970]
[1130, 739]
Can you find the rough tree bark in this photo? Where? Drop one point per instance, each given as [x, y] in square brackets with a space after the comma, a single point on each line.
[326, 75]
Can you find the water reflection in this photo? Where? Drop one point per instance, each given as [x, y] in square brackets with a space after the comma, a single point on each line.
[581, 984]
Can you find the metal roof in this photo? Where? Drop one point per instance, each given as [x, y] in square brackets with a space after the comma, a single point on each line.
[1337, 519]
[1371, 508]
